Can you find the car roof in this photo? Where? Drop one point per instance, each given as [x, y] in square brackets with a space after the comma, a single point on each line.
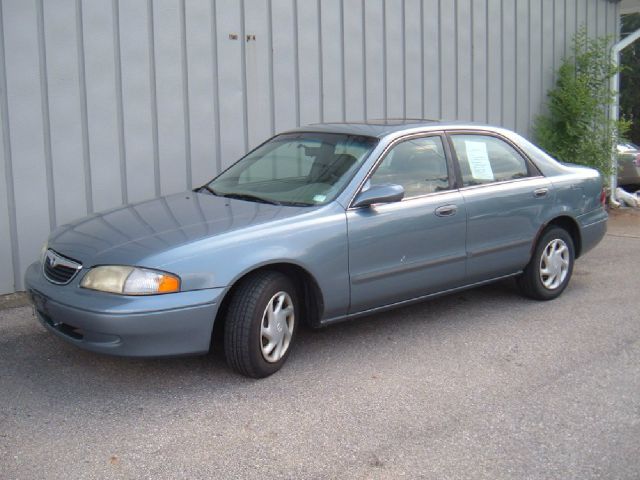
[383, 127]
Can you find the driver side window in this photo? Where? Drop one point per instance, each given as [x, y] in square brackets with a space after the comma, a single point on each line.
[419, 165]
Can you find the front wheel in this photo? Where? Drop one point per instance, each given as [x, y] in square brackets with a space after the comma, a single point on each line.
[551, 265]
[260, 324]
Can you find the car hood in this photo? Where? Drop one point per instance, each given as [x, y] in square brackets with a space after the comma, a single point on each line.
[132, 233]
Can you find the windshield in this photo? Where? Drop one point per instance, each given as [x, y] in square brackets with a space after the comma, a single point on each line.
[295, 169]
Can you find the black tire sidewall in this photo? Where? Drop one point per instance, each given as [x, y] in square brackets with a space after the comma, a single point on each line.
[277, 282]
[549, 235]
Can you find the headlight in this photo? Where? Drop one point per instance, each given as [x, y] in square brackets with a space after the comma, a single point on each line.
[130, 280]
[43, 251]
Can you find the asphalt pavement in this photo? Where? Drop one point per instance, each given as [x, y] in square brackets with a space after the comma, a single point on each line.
[481, 384]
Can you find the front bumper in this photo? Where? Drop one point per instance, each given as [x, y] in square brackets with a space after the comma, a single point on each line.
[145, 326]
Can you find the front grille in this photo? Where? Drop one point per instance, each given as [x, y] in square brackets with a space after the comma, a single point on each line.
[59, 269]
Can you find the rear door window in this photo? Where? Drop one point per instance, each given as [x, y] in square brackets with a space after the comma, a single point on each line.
[487, 159]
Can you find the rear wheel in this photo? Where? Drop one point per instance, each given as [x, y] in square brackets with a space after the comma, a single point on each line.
[551, 265]
[260, 324]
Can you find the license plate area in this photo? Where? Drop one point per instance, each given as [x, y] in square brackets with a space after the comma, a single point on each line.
[38, 301]
[41, 311]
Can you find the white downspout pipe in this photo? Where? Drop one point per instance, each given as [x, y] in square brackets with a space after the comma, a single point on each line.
[615, 107]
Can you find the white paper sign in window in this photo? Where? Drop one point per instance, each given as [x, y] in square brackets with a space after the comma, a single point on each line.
[479, 160]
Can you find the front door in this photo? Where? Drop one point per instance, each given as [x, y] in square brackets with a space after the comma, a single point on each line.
[405, 250]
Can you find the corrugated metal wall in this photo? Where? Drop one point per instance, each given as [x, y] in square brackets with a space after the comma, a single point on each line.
[107, 102]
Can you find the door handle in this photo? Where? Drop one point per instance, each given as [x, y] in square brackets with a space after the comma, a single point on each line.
[540, 192]
[446, 210]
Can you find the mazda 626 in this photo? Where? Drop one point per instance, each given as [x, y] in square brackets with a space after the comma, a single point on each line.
[317, 225]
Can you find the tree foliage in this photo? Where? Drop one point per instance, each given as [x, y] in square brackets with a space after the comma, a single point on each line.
[577, 128]
[630, 78]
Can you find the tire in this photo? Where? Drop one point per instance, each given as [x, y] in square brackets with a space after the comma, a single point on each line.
[549, 271]
[261, 324]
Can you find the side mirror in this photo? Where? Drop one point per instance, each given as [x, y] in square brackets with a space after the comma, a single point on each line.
[379, 194]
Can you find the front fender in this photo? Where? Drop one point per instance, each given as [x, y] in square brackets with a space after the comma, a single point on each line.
[316, 242]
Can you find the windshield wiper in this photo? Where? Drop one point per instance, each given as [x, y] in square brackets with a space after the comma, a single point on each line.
[248, 197]
[207, 188]
[297, 204]
[251, 198]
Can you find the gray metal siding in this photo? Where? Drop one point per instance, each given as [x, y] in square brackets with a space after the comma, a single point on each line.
[108, 102]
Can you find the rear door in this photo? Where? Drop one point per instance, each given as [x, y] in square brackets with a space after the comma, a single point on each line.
[505, 196]
[415, 247]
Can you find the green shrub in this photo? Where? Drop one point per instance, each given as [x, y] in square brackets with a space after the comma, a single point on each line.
[577, 128]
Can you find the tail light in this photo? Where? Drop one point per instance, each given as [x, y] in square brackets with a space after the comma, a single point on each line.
[637, 160]
[603, 197]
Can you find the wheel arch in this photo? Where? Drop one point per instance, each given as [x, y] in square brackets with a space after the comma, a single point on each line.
[567, 223]
[308, 289]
